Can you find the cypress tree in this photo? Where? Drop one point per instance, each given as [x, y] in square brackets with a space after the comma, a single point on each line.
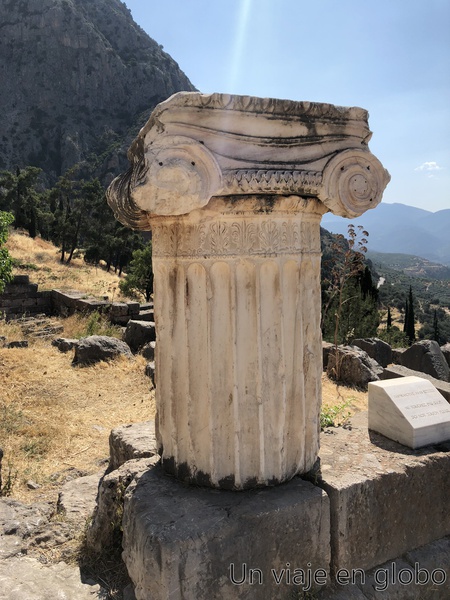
[389, 318]
[409, 318]
[436, 333]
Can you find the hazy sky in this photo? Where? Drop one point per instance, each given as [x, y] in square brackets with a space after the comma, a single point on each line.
[391, 57]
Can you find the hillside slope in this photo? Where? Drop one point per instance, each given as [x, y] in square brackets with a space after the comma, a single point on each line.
[76, 76]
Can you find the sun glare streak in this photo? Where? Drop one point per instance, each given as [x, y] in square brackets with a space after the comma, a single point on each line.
[239, 44]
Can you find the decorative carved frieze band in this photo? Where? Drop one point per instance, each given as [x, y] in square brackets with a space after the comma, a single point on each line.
[258, 181]
[227, 238]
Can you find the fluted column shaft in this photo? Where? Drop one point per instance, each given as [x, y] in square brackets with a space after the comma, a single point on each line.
[237, 308]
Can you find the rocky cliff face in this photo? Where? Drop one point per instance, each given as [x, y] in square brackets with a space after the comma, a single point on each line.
[77, 77]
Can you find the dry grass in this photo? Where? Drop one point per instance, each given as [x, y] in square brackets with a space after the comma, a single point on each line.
[55, 417]
[333, 394]
[340, 402]
[40, 260]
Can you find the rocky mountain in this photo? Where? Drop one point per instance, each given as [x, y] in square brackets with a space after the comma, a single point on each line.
[78, 77]
[398, 228]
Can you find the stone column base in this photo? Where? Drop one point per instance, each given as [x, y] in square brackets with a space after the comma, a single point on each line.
[186, 542]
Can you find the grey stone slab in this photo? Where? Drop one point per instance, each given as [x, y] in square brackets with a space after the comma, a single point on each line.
[148, 351]
[21, 519]
[27, 579]
[77, 498]
[11, 545]
[185, 542]
[395, 580]
[20, 280]
[53, 534]
[386, 499]
[345, 592]
[433, 557]
[133, 307]
[446, 352]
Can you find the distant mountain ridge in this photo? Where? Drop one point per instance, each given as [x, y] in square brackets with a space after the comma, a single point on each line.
[78, 77]
[399, 228]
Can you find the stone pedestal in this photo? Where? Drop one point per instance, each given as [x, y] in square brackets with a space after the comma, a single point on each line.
[233, 189]
[185, 542]
[385, 499]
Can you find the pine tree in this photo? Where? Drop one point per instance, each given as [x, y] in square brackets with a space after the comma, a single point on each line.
[5, 260]
[20, 195]
[139, 279]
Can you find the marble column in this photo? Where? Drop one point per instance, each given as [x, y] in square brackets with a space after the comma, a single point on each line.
[233, 189]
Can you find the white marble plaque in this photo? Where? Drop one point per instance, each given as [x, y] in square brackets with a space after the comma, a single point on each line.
[409, 410]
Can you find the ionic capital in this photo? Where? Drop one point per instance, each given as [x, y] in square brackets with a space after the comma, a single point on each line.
[195, 147]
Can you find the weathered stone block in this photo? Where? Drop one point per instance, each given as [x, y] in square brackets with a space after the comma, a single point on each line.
[106, 521]
[18, 289]
[146, 315]
[17, 344]
[139, 333]
[433, 557]
[150, 368]
[426, 356]
[65, 344]
[353, 366]
[397, 355]
[386, 499]
[133, 308]
[422, 574]
[21, 279]
[446, 352]
[128, 442]
[95, 348]
[118, 309]
[186, 542]
[376, 349]
[383, 583]
[326, 349]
